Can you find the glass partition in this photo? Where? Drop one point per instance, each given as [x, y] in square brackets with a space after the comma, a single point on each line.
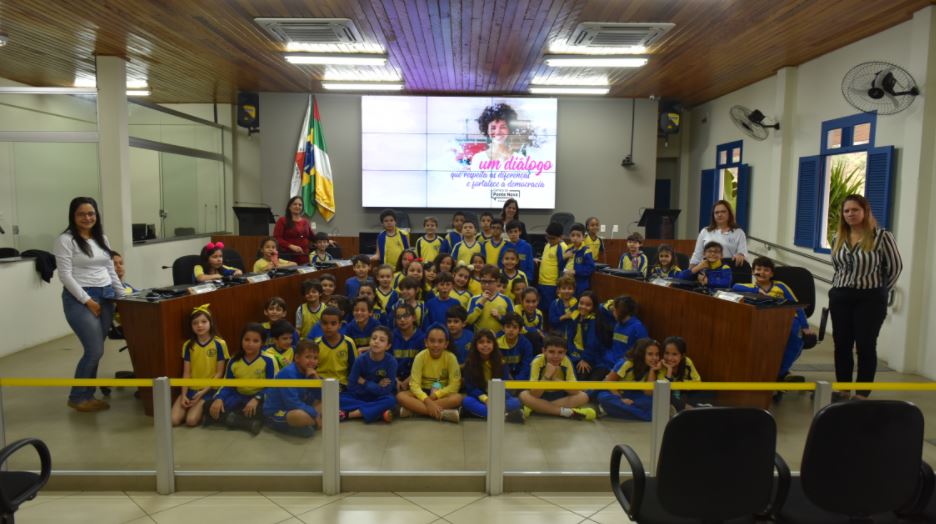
[48, 113]
[152, 124]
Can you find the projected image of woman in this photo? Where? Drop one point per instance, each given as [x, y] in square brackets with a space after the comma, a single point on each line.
[494, 123]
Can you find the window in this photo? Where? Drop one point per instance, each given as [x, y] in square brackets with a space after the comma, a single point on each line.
[729, 181]
[848, 163]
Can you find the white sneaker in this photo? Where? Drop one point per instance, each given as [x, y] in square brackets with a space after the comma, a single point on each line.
[405, 413]
[451, 415]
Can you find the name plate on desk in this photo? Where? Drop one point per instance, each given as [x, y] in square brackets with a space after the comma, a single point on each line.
[262, 277]
[729, 296]
[201, 288]
[305, 269]
[661, 282]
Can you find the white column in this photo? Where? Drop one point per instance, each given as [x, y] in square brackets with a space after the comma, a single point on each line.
[114, 150]
[913, 210]
[685, 183]
[782, 167]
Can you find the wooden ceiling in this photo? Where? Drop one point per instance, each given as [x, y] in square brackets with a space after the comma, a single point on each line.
[207, 50]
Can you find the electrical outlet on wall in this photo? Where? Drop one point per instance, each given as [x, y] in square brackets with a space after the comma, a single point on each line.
[603, 228]
[614, 228]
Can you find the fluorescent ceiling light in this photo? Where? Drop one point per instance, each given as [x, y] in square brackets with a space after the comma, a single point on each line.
[363, 86]
[138, 92]
[337, 59]
[566, 48]
[595, 61]
[569, 90]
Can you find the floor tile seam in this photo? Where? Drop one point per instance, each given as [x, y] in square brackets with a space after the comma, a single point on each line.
[145, 513]
[279, 506]
[576, 513]
[340, 497]
[433, 512]
[203, 497]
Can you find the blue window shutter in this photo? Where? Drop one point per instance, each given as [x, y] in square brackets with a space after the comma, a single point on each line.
[879, 183]
[806, 230]
[742, 214]
[706, 197]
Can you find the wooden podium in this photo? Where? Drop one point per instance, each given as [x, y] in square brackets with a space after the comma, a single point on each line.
[728, 342]
[155, 331]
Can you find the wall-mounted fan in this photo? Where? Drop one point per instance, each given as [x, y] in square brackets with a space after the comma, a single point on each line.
[753, 123]
[879, 86]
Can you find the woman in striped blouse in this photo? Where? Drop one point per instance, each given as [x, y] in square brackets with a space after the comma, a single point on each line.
[867, 265]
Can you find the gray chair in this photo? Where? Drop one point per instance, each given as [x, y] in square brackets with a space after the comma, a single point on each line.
[566, 219]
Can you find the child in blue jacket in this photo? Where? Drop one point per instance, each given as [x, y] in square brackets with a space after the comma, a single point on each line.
[371, 393]
[294, 411]
[711, 271]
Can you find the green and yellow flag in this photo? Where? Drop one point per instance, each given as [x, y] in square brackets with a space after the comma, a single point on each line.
[312, 177]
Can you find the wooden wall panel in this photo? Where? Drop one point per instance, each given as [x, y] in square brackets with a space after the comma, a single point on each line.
[204, 50]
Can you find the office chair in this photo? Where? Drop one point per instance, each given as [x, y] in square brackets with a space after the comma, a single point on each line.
[651, 252]
[183, 268]
[233, 258]
[8, 252]
[715, 465]
[801, 283]
[742, 274]
[566, 219]
[17, 487]
[682, 260]
[334, 251]
[863, 460]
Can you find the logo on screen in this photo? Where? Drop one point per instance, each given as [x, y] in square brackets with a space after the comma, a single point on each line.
[502, 195]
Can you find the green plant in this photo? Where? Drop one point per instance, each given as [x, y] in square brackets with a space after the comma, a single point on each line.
[844, 180]
[731, 187]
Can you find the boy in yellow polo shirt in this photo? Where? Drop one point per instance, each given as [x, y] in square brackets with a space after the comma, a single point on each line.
[554, 365]
[552, 264]
[485, 310]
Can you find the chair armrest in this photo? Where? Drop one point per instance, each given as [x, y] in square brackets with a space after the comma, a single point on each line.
[917, 506]
[782, 489]
[632, 505]
[45, 459]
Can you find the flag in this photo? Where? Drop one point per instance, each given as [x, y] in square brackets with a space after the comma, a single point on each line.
[302, 183]
[321, 167]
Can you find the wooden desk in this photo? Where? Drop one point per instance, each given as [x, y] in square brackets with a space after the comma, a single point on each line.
[155, 331]
[728, 342]
[248, 246]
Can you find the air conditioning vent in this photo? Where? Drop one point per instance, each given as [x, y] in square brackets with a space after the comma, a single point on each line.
[602, 34]
[311, 30]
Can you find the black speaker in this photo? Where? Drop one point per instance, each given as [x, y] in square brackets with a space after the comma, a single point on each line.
[248, 111]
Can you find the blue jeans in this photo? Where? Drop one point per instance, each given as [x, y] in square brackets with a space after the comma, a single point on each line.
[91, 332]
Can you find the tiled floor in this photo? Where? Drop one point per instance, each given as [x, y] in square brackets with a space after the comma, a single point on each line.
[350, 508]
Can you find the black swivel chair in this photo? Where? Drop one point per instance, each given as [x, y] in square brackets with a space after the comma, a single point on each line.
[334, 251]
[8, 252]
[863, 462]
[651, 252]
[17, 487]
[183, 268]
[716, 465]
[742, 274]
[566, 219]
[682, 260]
[233, 258]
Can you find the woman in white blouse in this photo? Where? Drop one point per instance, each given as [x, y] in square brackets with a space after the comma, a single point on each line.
[724, 230]
[85, 267]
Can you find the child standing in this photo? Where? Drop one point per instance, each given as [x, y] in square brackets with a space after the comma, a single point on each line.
[434, 381]
[282, 349]
[361, 266]
[474, 282]
[402, 266]
[294, 411]
[430, 244]
[711, 271]
[336, 351]
[308, 314]
[362, 325]
[390, 242]
[430, 274]
[203, 356]
[485, 219]
[409, 288]
[444, 263]
[372, 383]
[594, 243]
[484, 363]
[510, 262]
[564, 308]
[551, 366]
[407, 342]
[633, 259]
[212, 264]
[485, 310]
[462, 276]
[583, 265]
[517, 352]
[468, 246]
[454, 235]
[552, 264]
[666, 263]
[764, 284]
[239, 407]
[321, 253]
[269, 257]
[643, 364]
[438, 306]
[585, 351]
[494, 244]
[385, 296]
[522, 247]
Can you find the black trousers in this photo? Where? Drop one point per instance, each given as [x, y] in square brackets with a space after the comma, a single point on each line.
[857, 316]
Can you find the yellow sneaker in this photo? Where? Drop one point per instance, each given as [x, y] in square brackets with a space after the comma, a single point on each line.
[584, 414]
